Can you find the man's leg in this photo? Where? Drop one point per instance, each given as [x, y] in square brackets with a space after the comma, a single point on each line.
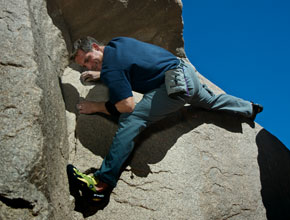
[222, 102]
[202, 96]
[154, 106]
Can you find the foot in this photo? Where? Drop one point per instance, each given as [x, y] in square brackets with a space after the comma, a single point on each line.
[87, 107]
[82, 179]
[90, 186]
[101, 186]
[257, 108]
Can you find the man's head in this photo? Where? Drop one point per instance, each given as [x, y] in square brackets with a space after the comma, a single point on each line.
[88, 52]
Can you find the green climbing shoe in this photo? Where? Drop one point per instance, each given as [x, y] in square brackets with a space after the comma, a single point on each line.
[83, 180]
[86, 184]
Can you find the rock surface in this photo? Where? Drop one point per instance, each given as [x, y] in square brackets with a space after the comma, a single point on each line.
[155, 21]
[192, 165]
[33, 127]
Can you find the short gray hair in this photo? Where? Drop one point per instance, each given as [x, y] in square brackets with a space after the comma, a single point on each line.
[84, 44]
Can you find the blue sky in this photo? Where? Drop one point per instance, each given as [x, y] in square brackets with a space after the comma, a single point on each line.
[244, 48]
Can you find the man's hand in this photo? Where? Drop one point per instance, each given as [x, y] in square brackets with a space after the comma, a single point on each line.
[89, 107]
[89, 76]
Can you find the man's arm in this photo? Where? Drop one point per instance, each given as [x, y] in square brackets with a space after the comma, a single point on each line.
[126, 105]
[88, 107]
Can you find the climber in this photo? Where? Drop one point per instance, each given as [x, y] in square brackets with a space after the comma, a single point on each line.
[167, 82]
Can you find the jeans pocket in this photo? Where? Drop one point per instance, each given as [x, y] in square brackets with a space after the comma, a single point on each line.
[175, 82]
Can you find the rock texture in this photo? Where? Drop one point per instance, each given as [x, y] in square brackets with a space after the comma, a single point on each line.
[33, 127]
[192, 165]
[155, 21]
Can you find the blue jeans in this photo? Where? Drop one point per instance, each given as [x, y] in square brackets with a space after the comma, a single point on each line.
[156, 105]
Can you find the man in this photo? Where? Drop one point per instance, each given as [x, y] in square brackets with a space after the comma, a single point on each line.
[167, 82]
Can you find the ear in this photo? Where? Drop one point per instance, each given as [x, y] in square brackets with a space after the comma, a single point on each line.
[95, 46]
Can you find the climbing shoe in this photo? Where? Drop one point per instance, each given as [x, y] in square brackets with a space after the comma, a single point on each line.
[257, 108]
[85, 183]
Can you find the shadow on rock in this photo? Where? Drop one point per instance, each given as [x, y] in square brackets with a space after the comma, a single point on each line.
[71, 97]
[96, 134]
[151, 149]
[274, 164]
[96, 131]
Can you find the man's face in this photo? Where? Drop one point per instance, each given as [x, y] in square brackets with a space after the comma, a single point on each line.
[91, 60]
